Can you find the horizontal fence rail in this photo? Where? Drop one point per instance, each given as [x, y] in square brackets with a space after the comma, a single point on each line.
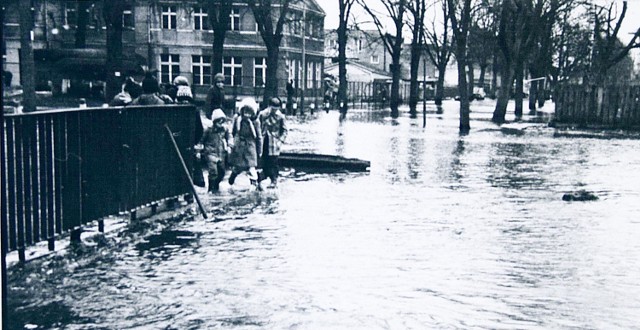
[610, 106]
[65, 168]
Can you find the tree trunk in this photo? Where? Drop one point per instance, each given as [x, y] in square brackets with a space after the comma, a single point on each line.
[440, 84]
[218, 12]
[542, 93]
[483, 72]
[342, 68]
[113, 16]
[81, 28]
[519, 92]
[413, 88]
[394, 99]
[471, 78]
[494, 73]
[463, 90]
[218, 51]
[504, 93]
[533, 93]
[271, 85]
[27, 64]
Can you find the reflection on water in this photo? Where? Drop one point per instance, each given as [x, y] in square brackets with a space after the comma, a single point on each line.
[446, 231]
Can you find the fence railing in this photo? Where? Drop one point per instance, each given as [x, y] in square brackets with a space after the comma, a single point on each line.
[611, 106]
[65, 168]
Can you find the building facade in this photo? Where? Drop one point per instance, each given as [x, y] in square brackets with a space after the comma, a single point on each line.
[174, 38]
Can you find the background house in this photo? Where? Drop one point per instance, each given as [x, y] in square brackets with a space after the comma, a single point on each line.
[172, 37]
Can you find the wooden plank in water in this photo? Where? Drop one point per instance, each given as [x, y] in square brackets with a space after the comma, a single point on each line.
[323, 162]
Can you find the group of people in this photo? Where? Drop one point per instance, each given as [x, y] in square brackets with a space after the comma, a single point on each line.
[244, 140]
[151, 93]
[252, 140]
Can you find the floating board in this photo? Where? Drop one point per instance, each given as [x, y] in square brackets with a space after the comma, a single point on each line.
[323, 162]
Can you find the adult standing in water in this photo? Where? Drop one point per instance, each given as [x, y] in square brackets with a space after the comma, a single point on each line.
[274, 133]
[215, 96]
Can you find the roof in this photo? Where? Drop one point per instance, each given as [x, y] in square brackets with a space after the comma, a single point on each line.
[358, 72]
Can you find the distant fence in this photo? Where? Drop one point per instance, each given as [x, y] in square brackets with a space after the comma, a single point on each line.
[611, 106]
[63, 169]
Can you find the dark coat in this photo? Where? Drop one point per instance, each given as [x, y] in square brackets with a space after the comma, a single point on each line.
[148, 99]
[215, 100]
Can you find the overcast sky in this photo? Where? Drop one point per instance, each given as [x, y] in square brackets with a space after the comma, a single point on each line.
[631, 22]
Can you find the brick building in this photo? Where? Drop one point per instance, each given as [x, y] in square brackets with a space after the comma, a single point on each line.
[170, 36]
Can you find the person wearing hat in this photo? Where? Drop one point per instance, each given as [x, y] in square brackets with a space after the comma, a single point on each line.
[215, 95]
[247, 147]
[215, 143]
[182, 90]
[274, 133]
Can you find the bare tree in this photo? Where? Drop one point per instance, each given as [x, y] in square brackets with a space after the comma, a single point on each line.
[271, 32]
[607, 49]
[82, 18]
[438, 48]
[218, 12]
[345, 13]
[395, 10]
[112, 12]
[518, 29]
[27, 63]
[482, 38]
[460, 20]
[417, 9]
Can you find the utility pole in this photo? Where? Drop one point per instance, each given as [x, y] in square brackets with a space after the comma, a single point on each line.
[304, 56]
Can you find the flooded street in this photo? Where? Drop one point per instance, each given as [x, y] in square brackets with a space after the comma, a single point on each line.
[445, 231]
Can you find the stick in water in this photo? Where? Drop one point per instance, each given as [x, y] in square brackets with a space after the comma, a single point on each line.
[186, 172]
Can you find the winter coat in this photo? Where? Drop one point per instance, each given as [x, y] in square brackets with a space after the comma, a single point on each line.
[274, 130]
[215, 100]
[121, 99]
[247, 146]
[215, 141]
[147, 99]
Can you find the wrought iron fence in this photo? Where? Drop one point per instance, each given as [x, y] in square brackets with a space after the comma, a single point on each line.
[63, 169]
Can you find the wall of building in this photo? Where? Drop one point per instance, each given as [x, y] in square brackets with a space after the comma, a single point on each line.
[150, 40]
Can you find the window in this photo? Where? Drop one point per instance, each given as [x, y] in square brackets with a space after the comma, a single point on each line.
[127, 18]
[299, 75]
[169, 17]
[201, 67]
[291, 69]
[296, 25]
[70, 17]
[309, 74]
[259, 71]
[234, 20]
[318, 74]
[169, 67]
[232, 70]
[200, 19]
[359, 45]
[375, 59]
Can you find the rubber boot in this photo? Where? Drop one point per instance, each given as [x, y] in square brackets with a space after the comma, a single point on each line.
[214, 185]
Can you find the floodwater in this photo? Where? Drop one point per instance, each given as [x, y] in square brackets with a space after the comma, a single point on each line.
[446, 231]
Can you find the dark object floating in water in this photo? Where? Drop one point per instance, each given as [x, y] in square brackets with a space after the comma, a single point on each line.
[323, 162]
[580, 195]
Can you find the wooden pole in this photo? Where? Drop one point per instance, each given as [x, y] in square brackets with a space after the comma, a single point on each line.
[186, 172]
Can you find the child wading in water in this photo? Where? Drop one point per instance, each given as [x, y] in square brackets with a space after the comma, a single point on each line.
[215, 141]
[247, 147]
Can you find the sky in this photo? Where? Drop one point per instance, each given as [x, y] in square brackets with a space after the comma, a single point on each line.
[630, 24]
